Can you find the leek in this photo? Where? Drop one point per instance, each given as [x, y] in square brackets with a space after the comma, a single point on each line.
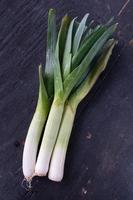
[56, 111]
[56, 170]
[35, 130]
[75, 58]
[43, 105]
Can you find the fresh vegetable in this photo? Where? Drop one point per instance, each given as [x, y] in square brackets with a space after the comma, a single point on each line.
[56, 170]
[75, 58]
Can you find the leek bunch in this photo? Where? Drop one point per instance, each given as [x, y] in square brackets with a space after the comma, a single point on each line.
[76, 55]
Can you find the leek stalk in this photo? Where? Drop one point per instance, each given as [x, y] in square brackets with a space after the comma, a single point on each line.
[35, 130]
[43, 105]
[56, 170]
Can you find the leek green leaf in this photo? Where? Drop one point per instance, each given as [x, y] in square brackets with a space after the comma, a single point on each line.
[66, 65]
[51, 43]
[76, 74]
[92, 77]
[59, 55]
[79, 34]
[43, 105]
[92, 38]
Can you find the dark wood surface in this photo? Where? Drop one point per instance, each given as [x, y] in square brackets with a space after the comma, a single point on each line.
[99, 163]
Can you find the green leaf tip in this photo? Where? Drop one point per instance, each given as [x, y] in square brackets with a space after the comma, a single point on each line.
[43, 102]
[51, 43]
[51, 11]
[66, 65]
[60, 45]
[59, 52]
[40, 74]
[109, 21]
[79, 33]
[65, 19]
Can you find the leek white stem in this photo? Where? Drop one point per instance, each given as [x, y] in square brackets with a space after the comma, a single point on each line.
[58, 158]
[49, 138]
[31, 145]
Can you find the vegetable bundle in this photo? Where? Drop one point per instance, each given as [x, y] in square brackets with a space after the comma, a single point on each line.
[76, 55]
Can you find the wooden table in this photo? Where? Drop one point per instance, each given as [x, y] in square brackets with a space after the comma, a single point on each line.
[99, 163]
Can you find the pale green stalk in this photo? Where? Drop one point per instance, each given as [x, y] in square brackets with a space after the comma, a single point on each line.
[56, 170]
[49, 138]
[56, 111]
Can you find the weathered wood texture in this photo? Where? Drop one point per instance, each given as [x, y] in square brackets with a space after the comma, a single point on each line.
[99, 163]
